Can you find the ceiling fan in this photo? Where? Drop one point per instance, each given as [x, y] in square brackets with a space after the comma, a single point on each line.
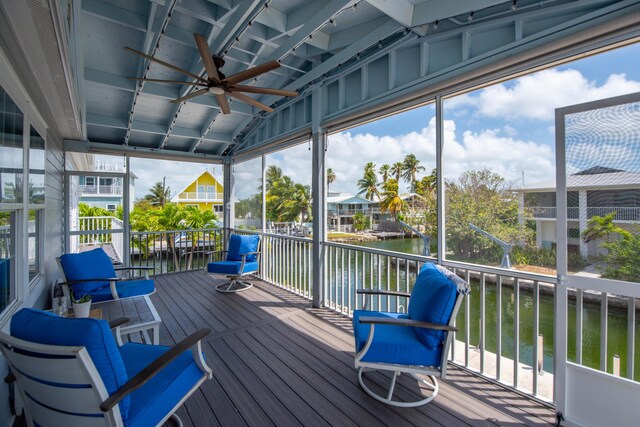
[216, 83]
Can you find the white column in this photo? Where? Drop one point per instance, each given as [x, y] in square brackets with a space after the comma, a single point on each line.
[229, 197]
[582, 215]
[126, 212]
[440, 179]
[319, 144]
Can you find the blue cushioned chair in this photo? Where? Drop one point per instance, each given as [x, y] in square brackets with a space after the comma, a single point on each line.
[243, 257]
[71, 372]
[92, 273]
[416, 343]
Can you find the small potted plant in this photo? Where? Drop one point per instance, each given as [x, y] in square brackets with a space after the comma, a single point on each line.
[81, 306]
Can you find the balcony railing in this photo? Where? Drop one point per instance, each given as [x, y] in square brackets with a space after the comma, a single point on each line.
[101, 189]
[505, 326]
[368, 211]
[521, 356]
[192, 195]
[174, 250]
[629, 214]
[96, 230]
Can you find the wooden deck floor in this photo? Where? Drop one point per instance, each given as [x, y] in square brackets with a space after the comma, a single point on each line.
[277, 361]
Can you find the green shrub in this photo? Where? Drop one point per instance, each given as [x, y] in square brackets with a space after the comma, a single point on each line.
[622, 258]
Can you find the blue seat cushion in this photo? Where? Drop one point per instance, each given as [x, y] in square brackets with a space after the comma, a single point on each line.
[42, 327]
[94, 264]
[231, 267]
[151, 402]
[126, 288]
[239, 245]
[432, 300]
[393, 344]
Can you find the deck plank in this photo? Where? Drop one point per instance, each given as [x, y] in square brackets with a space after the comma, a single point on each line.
[277, 361]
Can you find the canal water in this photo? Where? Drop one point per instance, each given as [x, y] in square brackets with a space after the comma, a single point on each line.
[616, 333]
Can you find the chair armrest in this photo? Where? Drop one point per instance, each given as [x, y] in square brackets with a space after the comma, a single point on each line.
[118, 322]
[99, 279]
[215, 252]
[153, 368]
[142, 267]
[382, 292]
[406, 322]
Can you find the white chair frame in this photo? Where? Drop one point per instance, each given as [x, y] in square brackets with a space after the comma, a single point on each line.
[69, 406]
[416, 371]
[235, 284]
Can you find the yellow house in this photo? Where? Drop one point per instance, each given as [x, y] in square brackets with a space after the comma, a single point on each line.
[205, 192]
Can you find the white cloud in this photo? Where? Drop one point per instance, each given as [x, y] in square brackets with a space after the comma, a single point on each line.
[503, 154]
[537, 95]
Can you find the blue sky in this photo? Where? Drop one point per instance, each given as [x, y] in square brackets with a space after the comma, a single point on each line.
[508, 127]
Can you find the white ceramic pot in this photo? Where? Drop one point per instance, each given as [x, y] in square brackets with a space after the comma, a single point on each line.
[81, 310]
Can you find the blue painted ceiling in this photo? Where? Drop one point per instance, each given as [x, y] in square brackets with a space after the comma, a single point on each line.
[301, 34]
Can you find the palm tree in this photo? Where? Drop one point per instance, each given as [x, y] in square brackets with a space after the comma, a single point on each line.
[600, 227]
[170, 219]
[391, 201]
[273, 175]
[368, 184]
[331, 177]
[158, 194]
[384, 171]
[410, 167]
[194, 219]
[396, 170]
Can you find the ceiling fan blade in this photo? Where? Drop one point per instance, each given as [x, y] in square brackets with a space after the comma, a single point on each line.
[166, 64]
[251, 72]
[191, 95]
[244, 98]
[263, 90]
[223, 103]
[207, 60]
[179, 82]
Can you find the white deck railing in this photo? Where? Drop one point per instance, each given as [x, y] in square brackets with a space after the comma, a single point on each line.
[505, 324]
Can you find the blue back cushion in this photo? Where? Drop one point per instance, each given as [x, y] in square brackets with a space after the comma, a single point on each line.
[239, 245]
[42, 327]
[432, 300]
[93, 264]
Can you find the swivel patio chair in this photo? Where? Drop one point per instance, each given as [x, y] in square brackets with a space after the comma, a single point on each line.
[71, 372]
[416, 343]
[242, 258]
[92, 273]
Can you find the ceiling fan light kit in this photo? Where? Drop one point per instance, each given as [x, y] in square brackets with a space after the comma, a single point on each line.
[216, 83]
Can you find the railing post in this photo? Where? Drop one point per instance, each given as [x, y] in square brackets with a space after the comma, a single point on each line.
[319, 144]
[126, 212]
[229, 193]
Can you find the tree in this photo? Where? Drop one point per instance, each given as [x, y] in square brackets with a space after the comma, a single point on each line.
[194, 219]
[384, 171]
[600, 227]
[169, 218]
[396, 170]
[331, 177]
[361, 222]
[622, 258]
[368, 184]
[288, 201]
[158, 194]
[410, 168]
[482, 198]
[272, 176]
[391, 201]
